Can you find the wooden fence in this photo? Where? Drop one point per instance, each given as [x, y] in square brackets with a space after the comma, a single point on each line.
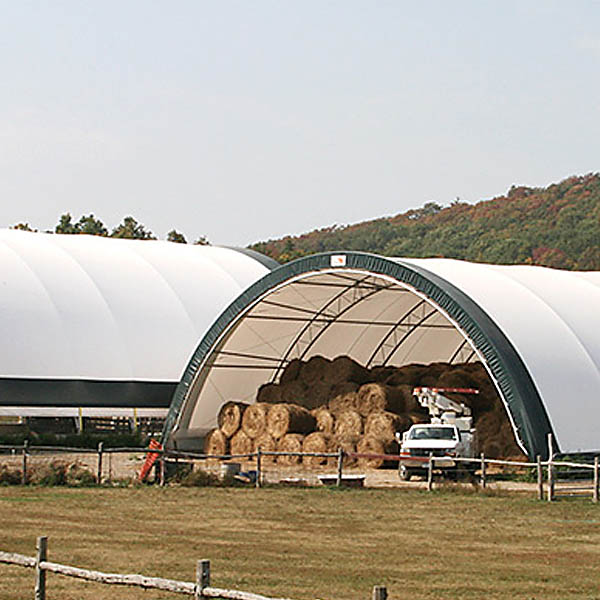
[201, 588]
[554, 488]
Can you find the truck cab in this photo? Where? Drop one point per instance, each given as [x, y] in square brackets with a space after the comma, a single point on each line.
[443, 441]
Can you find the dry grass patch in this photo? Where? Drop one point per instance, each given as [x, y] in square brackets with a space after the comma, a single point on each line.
[308, 543]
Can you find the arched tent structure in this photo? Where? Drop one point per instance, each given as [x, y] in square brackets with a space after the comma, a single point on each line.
[106, 324]
[536, 330]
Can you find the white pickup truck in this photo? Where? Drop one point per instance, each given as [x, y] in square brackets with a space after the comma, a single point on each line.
[444, 442]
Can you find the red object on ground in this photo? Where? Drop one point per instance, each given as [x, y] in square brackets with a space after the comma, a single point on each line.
[150, 459]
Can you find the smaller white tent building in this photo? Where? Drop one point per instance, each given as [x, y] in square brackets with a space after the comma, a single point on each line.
[102, 324]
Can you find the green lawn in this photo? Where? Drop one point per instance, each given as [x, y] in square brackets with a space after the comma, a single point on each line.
[308, 543]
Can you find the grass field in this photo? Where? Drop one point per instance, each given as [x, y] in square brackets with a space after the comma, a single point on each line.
[308, 543]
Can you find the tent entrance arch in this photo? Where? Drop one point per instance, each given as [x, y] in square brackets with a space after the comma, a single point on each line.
[376, 310]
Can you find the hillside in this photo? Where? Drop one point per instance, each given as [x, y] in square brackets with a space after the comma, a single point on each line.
[557, 226]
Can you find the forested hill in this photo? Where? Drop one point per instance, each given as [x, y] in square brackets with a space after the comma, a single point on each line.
[558, 226]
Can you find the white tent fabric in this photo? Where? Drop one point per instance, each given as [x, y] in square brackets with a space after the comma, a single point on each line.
[80, 307]
[311, 308]
[552, 318]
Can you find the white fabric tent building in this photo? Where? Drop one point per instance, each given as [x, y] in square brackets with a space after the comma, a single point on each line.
[107, 325]
[536, 330]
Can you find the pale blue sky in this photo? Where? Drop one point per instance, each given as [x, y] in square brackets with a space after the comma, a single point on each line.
[245, 121]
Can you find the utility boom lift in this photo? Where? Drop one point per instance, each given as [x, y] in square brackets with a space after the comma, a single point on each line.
[450, 434]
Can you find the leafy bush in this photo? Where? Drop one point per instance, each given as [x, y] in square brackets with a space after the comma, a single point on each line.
[10, 476]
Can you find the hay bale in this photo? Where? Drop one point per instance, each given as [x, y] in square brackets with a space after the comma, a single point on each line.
[324, 419]
[289, 418]
[318, 395]
[291, 442]
[344, 369]
[316, 442]
[266, 443]
[348, 424]
[381, 374]
[456, 378]
[215, 442]
[343, 402]
[230, 415]
[314, 370]
[370, 445]
[269, 393]
[294, 392]
[375, 397]
[411, 404]
[384, 425]
[348, 445]
[345, 387]
[291, 371]
[413, 373]
[254, 420]
[241, 443]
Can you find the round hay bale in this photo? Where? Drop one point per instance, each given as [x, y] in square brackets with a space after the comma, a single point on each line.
[314, 370]
[230, 416]
[345, 387]
[317, 395]
[348, 445]
[324, 419]
[384, 425]
[456, 378]
[254, 421]
[488, 425]
[291, 442]
[343, 369]
[294, 392]
[381, 374]
[411, 404]
[370, 445]
[491, 447]
[316, 442]
[215, 442]
[413, 373]
[289, 418]
[343, 402]
[375, 397]
[291, 371]
[269, 393]
[417, 418]
[241, 443]
[348, 424]
[266, 443]
[396, 377]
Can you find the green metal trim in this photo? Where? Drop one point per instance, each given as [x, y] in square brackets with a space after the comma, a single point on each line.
[507, 367]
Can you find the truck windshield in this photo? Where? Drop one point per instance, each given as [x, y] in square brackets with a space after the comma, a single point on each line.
[432, 433]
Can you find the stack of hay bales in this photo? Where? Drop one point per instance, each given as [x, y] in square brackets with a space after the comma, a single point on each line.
[321, 405]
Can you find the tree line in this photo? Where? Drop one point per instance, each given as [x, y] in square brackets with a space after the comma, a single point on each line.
[557, 226]
[129, 228]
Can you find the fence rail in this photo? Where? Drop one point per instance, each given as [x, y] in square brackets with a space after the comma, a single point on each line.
[201, 588]
[555, 487]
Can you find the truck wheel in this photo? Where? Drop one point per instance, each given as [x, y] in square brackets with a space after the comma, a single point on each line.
[404, 473]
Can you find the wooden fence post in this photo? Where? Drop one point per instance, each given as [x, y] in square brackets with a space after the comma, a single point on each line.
[258, 467]
[163, 475]
[24, 475]
[430, 473]
[483, 473]
[550, 469]
[40, 574]
[379, 592]
[340, 466]
[99, 477]
[202, 577]
[596, 481]
[540, 478]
